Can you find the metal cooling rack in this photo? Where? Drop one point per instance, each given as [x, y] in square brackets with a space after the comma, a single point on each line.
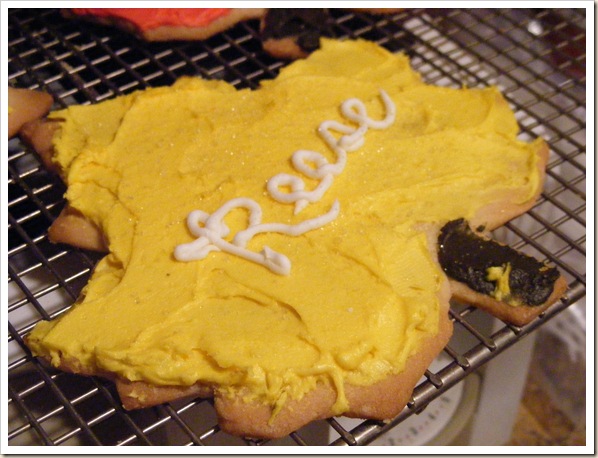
[536, 56]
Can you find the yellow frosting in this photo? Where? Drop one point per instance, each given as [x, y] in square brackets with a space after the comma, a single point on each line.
[500, 275]
[362, 291]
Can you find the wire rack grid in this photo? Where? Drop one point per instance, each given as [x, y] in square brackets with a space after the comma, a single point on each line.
[536, 57]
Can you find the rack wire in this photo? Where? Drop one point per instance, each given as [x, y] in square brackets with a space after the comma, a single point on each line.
[537, 58]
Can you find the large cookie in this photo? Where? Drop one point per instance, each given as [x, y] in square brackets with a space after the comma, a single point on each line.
[277, 248]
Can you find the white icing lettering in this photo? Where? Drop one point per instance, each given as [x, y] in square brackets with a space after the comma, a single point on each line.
[314, 165]
[211, 230]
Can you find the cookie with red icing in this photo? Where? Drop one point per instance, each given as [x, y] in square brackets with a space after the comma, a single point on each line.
[165, 24]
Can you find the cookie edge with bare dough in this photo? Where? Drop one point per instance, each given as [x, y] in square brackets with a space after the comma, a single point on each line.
[492, 217]
[24, 106]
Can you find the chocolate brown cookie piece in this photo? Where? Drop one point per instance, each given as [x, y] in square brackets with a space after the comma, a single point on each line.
[292, 33]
